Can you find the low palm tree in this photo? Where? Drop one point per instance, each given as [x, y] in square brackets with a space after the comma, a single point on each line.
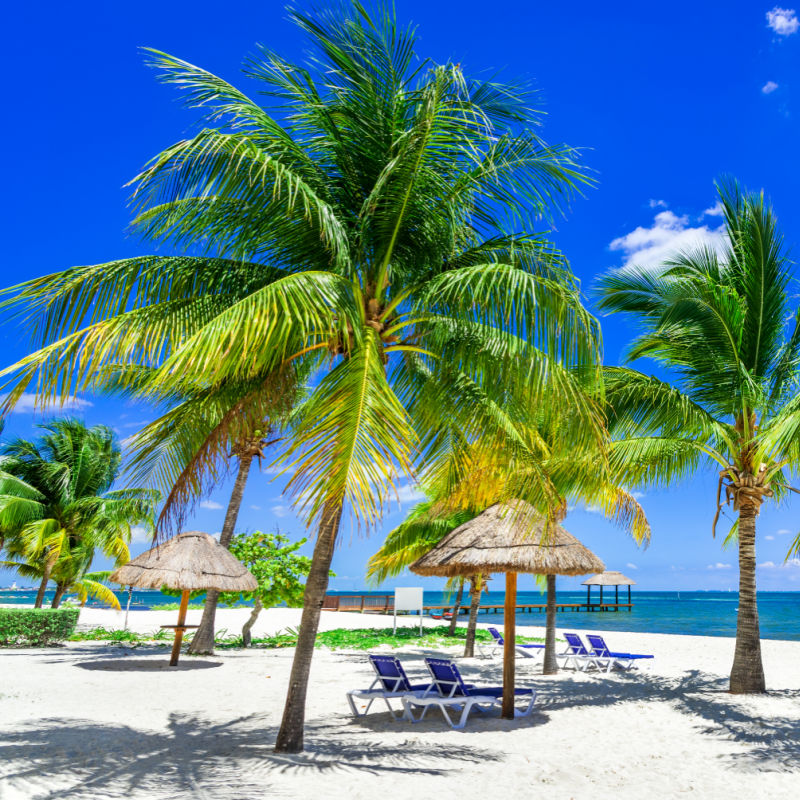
[722, 326]
[378, 231]
[57, 506]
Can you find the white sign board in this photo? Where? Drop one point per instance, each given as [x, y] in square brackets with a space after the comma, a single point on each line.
[408, 599]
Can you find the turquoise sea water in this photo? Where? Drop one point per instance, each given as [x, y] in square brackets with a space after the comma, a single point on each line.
[695, 613]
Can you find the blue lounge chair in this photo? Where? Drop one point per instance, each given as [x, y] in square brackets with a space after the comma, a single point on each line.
[581, 658]
[449, 691]
[391, 682]
[525, 650]
[624, 661]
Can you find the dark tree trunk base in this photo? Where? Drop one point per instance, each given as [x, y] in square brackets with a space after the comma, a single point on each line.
[550, 664]
[747, 672]
[475, 599]
[290, 735]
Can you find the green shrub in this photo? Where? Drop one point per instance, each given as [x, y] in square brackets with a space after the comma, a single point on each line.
[36, 627]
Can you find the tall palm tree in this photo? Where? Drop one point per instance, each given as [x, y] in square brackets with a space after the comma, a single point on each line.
[378, 228]
[722, 326]
[57, 504]
[202, 431]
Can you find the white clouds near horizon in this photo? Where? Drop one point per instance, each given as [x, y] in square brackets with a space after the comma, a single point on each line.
[769, 87]
[783, 21]
[669, 235]
[27, 405]
[718, 565]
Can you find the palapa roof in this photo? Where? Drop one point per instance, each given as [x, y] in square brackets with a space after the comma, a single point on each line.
[192, 560]
[609, 579]
[507, 537]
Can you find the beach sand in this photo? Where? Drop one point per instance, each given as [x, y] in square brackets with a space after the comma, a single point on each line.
[92, 721]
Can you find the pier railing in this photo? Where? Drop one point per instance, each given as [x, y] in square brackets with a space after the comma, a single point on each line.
[384, 604]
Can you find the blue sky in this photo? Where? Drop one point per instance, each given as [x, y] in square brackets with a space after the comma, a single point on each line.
[665, 99]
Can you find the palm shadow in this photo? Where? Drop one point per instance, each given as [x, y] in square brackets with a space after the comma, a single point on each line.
[151, 664]
[70, 758]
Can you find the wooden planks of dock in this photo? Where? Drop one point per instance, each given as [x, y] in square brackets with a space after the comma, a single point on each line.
[384, 604]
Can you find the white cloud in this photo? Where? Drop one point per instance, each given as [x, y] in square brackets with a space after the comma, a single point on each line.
[631, 566]
[27, 404]
[783, 532]
[256, 508]
[281, 510]
[140, 535]
[637, 495]
[769, 87]
[790, 564]
[668, 235]
[714, 211]
[657, 203]
[211, 505]
[718, 565]
[410, 494]
[770, 538]
[593, 509]
[783, 21]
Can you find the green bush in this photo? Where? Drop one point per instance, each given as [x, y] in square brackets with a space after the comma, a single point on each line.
[36, 627]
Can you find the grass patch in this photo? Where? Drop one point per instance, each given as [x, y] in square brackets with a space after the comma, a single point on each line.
[338, 639]
[101, 634]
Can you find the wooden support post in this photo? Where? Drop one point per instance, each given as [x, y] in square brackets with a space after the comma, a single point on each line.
[176, 645]
[601, 596]
[588, 596]
[509, 640]
[629, 597]
[616, 597]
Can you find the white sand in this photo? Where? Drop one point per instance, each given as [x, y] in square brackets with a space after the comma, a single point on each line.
[92, 721]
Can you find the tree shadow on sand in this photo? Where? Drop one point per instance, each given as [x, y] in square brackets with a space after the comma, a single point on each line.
[773, 740]
[69, 758]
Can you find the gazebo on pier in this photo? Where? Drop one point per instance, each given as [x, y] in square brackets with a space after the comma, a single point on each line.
[609, 578]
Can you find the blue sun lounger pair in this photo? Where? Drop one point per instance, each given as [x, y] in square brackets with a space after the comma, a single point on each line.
[600, 656]
[447, 690]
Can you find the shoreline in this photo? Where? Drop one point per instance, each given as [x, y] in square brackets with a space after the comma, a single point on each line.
[116, 721]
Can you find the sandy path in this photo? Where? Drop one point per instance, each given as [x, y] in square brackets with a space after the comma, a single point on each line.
[90, 721]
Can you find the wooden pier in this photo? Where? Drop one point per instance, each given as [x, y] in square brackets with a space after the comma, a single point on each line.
[384, 604]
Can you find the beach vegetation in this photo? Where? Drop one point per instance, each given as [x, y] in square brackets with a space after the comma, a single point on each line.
[273, 561]
[378, 231]
[57, 507]
[36, 627]
[722, 325]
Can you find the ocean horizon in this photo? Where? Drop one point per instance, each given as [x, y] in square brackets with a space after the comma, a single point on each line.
[698, 613]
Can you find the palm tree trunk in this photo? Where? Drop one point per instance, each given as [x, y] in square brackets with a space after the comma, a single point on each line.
[203, 639]
[475, 599]
[550, 663]
[60, 589]
[251, 620]
[747, 673]
[290, 735]
[48, 568]
[456, 608]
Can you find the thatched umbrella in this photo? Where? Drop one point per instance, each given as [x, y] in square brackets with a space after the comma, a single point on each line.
[510, 538]
[608, 578]
[189, 561]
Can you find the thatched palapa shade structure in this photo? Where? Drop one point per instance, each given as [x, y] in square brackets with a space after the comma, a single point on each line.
[510, 538]
[189, 561]
[609, 578]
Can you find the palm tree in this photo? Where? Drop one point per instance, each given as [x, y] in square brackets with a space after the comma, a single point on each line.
[717, 322]
[57, 506]
[377, 230]
[202, 431]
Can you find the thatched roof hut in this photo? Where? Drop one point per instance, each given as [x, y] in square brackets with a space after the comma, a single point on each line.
[511, 537]
[190, 561]
[508, 537]
[609, 578]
